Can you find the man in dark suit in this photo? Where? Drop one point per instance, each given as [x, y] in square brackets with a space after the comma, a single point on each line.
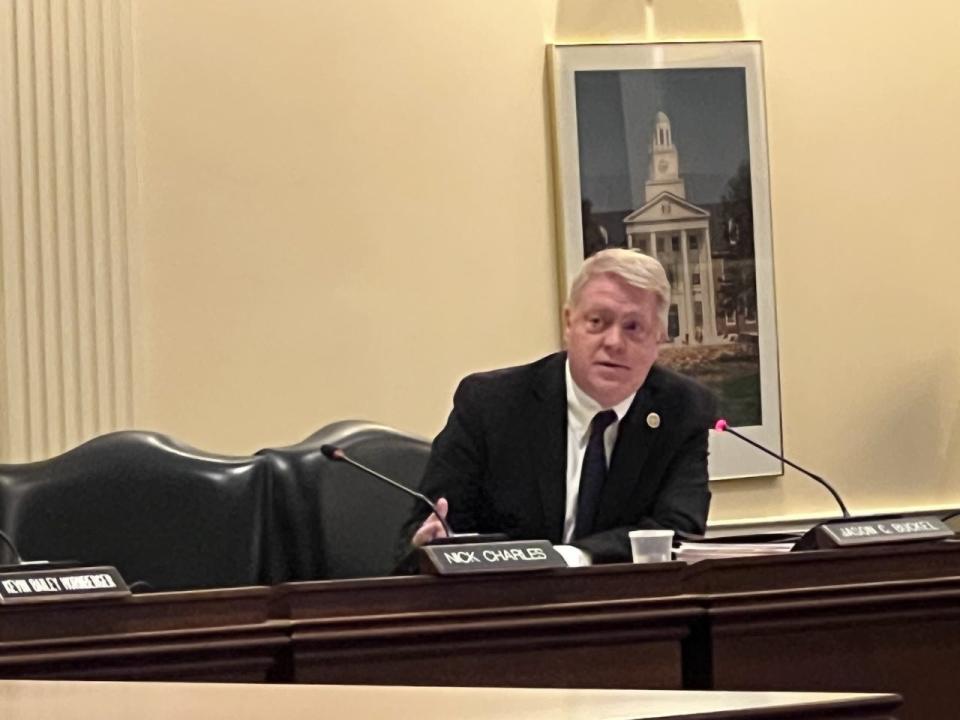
[580, 447]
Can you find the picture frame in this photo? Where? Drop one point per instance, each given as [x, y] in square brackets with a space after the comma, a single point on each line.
[663, 148]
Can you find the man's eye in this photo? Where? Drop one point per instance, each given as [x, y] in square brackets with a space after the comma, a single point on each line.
[593, 321]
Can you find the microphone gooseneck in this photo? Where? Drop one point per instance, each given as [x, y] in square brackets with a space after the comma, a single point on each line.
[332, 452]
[723, 426]
[9, 543]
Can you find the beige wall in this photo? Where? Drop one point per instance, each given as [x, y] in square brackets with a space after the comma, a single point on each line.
[345, 206]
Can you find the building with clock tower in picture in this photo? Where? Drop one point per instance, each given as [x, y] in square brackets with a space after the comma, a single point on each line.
[677, 233]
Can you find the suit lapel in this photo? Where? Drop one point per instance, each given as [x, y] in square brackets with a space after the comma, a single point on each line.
[635, 439]
[547, 456]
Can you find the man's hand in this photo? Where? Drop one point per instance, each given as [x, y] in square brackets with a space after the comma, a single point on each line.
[432, 528]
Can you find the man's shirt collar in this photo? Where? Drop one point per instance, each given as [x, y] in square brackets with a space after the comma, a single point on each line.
[581, 408]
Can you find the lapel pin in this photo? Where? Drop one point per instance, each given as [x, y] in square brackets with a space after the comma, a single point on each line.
[653, 420]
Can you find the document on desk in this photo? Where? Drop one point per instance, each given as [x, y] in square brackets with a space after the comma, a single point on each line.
[695, 552]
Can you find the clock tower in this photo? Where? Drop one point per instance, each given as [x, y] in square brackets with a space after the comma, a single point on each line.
[664, 174]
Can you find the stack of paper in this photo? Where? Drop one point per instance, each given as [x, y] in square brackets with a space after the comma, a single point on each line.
[695, 552]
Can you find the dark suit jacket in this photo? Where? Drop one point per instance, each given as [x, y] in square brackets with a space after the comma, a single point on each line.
[501, 459]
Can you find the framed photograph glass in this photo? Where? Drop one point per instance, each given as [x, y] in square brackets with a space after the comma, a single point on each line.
[663, 148]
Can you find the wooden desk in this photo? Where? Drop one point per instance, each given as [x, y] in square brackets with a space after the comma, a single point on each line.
[872, 620]
[616, 626]
[609, 626]
[203, 635]
[35, 700]
[882, 618]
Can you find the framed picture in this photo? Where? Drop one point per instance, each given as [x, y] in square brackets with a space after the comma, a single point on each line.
[663, 148]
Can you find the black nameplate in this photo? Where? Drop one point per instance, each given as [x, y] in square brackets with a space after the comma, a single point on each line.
[853, 533]
[21, 587]
[506, 556]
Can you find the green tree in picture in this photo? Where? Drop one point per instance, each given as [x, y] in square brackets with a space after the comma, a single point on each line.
[737, 291]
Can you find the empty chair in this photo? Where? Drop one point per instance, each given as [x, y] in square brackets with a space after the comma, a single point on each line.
[162, 513]
[338, 522]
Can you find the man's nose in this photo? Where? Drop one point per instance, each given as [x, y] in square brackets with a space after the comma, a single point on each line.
[613, 338]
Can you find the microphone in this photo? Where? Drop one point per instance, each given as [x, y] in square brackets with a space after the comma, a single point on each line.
[467, 552]
[332, 452]
[723, 426]
[855, 531]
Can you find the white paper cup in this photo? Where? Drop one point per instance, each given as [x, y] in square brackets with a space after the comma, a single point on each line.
[651, 546]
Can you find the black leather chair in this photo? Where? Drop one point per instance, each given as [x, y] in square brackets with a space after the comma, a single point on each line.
[162, 513]
[339, 522]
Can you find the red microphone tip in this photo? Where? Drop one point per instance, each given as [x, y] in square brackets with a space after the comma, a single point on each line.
[720, 425]
[332, 452]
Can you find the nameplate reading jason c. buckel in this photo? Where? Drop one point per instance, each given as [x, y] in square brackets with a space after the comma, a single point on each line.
[866, 532]
[57, 585]
[508, 556]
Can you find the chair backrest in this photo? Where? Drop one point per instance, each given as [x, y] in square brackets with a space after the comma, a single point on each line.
[339, 521]
[164, 514]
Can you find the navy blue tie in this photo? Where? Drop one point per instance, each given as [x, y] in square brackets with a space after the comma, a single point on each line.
[593, 474]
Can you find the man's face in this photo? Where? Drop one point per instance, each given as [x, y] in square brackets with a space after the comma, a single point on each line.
[611, 336]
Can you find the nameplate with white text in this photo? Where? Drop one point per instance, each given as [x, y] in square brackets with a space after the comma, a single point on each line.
[60, 584]
[867, 531]
[506, 556]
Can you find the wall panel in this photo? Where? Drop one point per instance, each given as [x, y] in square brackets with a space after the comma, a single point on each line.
[65, 73]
